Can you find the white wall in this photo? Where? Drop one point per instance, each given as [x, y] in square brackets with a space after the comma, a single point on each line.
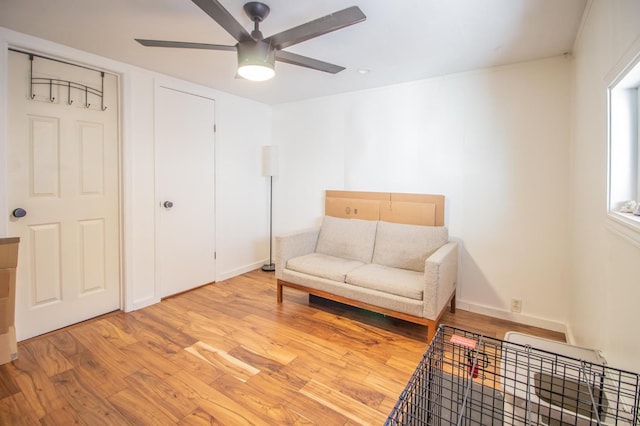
[241, 191]
[494, 142]
[311, 160]
[606, 277]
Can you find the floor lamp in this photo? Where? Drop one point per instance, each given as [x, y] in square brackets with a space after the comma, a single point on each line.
[270, 168]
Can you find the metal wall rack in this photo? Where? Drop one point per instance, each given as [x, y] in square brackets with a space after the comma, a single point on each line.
[87, 90]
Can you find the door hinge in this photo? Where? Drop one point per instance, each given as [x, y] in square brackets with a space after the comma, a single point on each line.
[215, 255]
[215, 128]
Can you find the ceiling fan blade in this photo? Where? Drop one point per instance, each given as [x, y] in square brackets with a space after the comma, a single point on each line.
[219, 14]
[303, 61]
[326, 24]
[184, 45]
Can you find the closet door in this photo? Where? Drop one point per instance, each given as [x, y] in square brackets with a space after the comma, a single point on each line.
[63, 172]
[184, 149]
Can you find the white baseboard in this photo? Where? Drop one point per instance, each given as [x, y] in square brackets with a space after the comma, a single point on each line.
[569, 335]
[143, 303]
[148, 301]
[519, 318]
[239, 271]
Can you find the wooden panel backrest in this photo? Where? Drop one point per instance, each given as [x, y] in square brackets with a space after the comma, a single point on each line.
[352, 208]
[414, 209]
[408, 212]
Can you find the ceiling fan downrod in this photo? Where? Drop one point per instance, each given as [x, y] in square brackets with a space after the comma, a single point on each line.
[257, 12]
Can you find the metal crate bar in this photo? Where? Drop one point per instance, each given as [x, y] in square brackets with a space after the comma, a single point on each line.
[466, 378]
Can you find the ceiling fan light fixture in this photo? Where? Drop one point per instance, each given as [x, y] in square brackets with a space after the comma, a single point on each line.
[256, 61]
[256, 72]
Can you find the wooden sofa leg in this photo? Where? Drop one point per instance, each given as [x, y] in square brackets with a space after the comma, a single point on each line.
[431, 332]
[453, 304]
[279, 292]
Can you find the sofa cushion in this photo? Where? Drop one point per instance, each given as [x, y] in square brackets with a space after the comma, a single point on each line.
[401, 282]
[407, 246]
[324, 266]
[351, 239]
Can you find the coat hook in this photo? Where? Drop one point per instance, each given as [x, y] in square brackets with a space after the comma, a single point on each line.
[51, 98]
[31, 94]
[69, 101]
[102, 107]
[60, 83]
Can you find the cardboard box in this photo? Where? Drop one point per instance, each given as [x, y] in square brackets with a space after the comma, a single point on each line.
[8, 263]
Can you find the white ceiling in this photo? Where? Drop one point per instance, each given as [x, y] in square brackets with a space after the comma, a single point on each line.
[400, 41]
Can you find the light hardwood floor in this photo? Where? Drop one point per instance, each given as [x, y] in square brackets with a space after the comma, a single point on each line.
[225, 353]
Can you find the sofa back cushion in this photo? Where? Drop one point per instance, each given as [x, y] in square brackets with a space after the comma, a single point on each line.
[407, 246]
[347, 238]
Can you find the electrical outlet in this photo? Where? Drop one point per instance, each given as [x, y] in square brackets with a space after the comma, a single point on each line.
[516, 305]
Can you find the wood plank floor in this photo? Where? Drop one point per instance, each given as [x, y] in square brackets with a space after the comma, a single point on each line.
[225, 353]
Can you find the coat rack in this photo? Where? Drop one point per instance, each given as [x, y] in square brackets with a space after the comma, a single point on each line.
[69, 85]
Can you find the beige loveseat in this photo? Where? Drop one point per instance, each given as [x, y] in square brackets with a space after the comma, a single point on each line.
[404, 271]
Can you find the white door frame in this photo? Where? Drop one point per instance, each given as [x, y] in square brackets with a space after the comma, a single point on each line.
[10, 39]
[192, 91]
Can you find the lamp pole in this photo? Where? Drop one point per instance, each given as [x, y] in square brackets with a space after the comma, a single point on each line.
[270, 168]
[270, 267]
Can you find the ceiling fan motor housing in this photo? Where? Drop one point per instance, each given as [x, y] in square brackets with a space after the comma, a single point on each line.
[256, 53]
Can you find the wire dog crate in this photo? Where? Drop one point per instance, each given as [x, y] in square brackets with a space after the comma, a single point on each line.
[466, 378]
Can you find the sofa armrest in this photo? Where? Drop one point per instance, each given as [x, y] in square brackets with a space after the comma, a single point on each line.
[440, 278]
[293, 245]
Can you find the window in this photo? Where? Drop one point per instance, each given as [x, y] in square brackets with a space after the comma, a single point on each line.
[624, 148]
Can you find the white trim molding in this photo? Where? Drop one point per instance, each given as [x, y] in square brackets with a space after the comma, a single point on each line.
[510, 316]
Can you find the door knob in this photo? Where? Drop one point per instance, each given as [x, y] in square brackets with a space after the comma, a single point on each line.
[167, 204]
[19, 212]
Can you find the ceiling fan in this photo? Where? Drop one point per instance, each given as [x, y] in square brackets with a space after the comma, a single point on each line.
[256, 54]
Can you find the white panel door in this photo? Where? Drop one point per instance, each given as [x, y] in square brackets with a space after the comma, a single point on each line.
[185, 254]
[63, 170]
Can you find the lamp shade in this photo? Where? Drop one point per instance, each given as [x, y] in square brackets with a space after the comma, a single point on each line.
[270, 160]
